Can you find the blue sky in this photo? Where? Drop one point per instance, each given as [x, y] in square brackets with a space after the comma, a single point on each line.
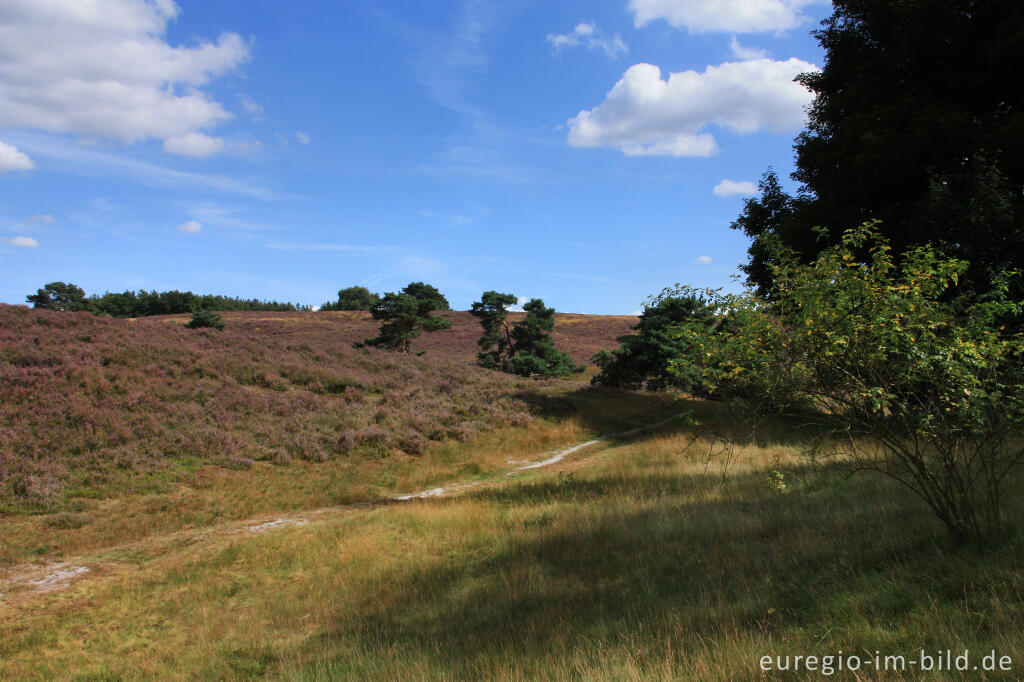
[286, 150]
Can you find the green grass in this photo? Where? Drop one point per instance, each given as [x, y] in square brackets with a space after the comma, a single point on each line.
[637, 559]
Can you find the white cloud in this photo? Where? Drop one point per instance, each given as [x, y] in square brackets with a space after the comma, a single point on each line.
[25, 242]
[744, 52]
[11, 158]
[645, 115]
[199, 145]
[591, 37]
[703, 260]
[731, 188]
[41, 218]
[103, 69]
[190, 227]
[734, 16]
[302, 137]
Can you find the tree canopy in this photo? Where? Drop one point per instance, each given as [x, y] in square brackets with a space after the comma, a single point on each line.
[406, 313]
[916, 122]
[644, 358]
[69, 297]
[353, 298]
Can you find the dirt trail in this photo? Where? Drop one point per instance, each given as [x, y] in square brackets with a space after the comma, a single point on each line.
[24, 581]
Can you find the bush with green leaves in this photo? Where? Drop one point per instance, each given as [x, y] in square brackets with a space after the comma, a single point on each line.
[353, 298]
[643, 359]
[406, 313]
[205, 318]
[524, 348]
[907, 382]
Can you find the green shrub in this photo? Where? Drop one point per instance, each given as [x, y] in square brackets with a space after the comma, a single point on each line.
[205, 318]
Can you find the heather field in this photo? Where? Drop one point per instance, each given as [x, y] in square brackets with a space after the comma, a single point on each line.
[98, 408]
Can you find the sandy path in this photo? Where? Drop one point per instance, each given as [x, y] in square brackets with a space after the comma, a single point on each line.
[23, 581]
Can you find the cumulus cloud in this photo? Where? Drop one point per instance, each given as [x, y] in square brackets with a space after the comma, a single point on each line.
[703, 260]
[733, 16]
[190, 227]
[11, 158]
[590, 37]
[645, 115]
[103, 69]
[731, 188]
[302, 137]
[24, 242]
[199, 145]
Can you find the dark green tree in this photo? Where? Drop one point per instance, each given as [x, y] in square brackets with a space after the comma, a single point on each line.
[496, 341]
[353, 298]
[406, 313]
[916, 123]
[644, 358]
[59, 296]
[524, 348]
[533, 352]
[205, 318]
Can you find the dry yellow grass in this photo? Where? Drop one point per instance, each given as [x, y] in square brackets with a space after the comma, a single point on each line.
[645, 558]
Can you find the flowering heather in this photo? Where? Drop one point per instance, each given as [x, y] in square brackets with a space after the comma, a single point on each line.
[92, 403]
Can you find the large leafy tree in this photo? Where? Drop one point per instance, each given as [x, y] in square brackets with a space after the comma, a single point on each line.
[406, 313]
[353, 298]
[59, 296]
[916, 122]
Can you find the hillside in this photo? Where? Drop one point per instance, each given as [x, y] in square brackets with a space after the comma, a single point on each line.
[96, 404]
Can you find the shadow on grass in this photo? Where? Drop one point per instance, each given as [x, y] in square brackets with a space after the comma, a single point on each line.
[650, 561]
[604, 411]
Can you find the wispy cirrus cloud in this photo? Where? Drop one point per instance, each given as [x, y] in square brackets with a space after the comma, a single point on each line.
[447, 219]
[65, 156]
[344, 248]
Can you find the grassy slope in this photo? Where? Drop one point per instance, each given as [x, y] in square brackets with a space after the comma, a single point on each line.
[633, 559]
[642, 559]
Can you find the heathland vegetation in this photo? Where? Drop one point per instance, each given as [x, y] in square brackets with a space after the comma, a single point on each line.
[282, 497]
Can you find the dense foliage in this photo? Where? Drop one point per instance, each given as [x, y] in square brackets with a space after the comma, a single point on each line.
[524, 348]
[496, 341]
[68, 297]
[911, 385]
[205, 318]
[917, 122]
[353, 298]
[642, 361]
[59, 296]
[406, 313]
